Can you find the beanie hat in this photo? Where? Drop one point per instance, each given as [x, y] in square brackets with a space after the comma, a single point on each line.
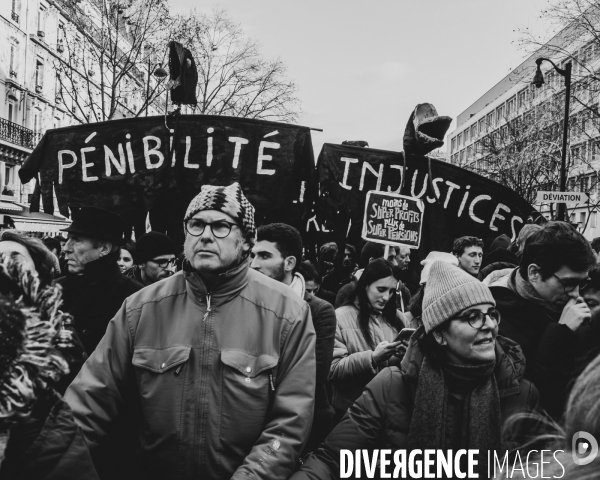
[435, 256]
[230, 200]
[151, 245]
[449, 291]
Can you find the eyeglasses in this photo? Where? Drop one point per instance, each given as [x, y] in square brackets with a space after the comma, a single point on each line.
[220, 228]
[571, 284]
[476, 318]
[164, 262]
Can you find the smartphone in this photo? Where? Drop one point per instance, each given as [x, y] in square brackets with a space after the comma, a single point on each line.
[405, 334]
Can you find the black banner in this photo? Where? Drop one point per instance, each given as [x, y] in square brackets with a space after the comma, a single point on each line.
[457, 202]
[126, 166]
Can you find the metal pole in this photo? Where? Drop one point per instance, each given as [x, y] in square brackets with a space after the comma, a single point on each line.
[562, 207]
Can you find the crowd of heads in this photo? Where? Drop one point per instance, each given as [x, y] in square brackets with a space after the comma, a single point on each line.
[448, 297]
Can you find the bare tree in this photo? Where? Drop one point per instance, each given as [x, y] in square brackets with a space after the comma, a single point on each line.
[109, 51]
[233, 78]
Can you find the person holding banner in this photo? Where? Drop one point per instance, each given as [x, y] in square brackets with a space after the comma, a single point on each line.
[367, 325]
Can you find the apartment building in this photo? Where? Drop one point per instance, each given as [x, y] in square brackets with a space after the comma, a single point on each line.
[35, 36]
[515, 121]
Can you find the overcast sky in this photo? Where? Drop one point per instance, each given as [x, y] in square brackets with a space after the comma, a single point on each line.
[362, 68]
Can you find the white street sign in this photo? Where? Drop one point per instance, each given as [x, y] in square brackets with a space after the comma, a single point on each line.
[561, 197]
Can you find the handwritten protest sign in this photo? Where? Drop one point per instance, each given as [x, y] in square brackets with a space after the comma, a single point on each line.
[393, 219]
[457, 201]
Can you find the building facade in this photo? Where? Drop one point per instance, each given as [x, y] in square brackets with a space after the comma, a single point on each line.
[38, 41]
[513, 133]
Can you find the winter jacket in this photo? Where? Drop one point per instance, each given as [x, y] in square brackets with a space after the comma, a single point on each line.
[221, 383]
[548, 346]
[324, 321]
[95, 297]
[351, 368]
[381, 417]
[47, 445]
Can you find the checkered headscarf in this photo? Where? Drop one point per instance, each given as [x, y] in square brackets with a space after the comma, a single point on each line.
[230, 200]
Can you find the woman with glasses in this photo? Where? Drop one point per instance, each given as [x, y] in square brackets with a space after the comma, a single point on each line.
[458, 383]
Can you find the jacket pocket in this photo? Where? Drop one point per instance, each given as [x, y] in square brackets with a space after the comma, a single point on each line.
[248, 383]
[161, 391]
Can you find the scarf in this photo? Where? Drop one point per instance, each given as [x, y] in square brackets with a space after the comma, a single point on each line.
[525, 290]
[480, 409]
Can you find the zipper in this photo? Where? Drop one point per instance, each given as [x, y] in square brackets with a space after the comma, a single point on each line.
[208, 307]
[271, 381]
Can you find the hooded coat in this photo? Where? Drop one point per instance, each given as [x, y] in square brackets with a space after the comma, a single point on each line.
[381, 417]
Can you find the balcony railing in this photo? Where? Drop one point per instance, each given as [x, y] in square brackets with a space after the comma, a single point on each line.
[13, 133]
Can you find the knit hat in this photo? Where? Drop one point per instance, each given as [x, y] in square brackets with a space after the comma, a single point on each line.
[230, 200]
[153, 244]
[449, 291]
[432, 257]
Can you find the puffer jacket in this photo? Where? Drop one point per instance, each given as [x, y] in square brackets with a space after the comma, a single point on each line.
[351, 367]
[221, 383]
[381, 417]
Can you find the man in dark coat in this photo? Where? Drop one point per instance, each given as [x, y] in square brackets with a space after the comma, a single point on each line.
[94, 288]
[542, 309]
[277, 254]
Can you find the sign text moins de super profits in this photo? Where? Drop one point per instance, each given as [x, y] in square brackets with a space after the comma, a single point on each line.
[393, 219]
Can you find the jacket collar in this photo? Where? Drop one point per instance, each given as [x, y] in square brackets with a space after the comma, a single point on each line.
[227, 285]
[97, 270]
[509, 370]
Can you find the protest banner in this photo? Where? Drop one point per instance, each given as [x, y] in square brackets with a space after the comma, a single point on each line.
[457, 201]
[126, 166]
[393, 219]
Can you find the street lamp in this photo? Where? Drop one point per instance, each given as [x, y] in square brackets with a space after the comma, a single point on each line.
[159, 73]
[538, 81]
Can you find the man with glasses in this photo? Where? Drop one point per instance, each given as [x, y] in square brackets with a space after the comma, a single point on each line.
[155, 258]
[216, 364]
[542, 308]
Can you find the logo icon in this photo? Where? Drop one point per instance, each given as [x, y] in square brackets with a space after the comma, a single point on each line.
[584, 448]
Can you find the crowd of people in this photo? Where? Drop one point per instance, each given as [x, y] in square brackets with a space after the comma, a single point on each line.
[234, 356]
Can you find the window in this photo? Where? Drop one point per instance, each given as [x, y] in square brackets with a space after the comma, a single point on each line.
[584, 184]
[469, 152]
[594, 219]
[481, 125]
[522, 98]
[473, 132]
[13, 60]
[12, 111]
[16, 9]
[37, 115]
[459, 140]
[453, 144]
[582, 216]
[466, 136]
[572, 217]
[510, 106]
[499, 114]
[39, 75]
[42, 21]
[490, 120]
